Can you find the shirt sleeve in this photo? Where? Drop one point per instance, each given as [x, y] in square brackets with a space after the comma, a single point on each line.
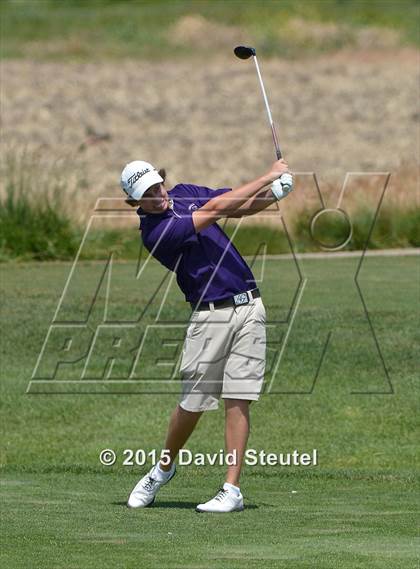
[171, 235]
[202, 194]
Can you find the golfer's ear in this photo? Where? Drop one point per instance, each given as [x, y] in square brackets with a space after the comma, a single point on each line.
[133, 203]
[162, 174]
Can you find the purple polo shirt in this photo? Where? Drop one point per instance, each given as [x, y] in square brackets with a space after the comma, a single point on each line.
[207, 266]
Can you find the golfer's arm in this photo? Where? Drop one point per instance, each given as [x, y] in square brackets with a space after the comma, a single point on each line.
[257, 203]
[226, 205]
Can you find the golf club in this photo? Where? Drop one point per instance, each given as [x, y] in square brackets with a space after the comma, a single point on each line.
[245, 52]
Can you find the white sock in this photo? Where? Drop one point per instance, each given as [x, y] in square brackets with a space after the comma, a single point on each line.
[232, 488]
[163, 474]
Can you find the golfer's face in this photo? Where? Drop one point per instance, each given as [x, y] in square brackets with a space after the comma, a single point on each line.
[155, 199]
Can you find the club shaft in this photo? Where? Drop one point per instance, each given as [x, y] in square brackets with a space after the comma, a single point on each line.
[267, 106]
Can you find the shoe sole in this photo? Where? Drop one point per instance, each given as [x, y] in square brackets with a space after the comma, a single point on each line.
[230, 511]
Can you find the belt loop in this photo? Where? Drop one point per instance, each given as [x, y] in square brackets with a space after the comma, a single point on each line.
[211, 306]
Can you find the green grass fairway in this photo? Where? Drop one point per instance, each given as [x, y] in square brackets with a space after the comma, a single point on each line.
[81, 522]
[61, 509]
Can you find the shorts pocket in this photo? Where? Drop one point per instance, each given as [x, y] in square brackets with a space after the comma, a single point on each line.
[197, 324]
[261, 315]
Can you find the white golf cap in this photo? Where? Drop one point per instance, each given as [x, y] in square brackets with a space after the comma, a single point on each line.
[137, 177]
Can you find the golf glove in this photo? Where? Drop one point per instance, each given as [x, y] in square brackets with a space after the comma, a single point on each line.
[283, 186]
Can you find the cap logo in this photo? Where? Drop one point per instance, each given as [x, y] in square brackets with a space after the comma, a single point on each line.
[133, 179]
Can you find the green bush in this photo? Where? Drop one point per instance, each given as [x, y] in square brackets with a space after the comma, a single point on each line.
[37, 230]
[33, 222]
[251, 239]
[100, 244]
[35, 225]
[392, 228]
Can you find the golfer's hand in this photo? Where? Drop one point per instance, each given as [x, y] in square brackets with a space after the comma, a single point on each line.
[277, 169]
[282, 186]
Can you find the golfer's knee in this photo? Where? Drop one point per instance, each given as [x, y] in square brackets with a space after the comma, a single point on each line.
[187, 412]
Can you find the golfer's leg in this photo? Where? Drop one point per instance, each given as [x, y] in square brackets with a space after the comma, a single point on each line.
[181, 426]
[236, 435]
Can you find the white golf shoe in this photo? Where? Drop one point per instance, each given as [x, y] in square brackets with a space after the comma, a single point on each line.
[144, 492]
[226, 500]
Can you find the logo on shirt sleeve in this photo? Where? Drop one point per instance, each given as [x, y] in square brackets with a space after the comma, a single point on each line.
[193, 207]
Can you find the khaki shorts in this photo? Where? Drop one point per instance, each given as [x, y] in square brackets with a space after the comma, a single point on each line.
[223, 356]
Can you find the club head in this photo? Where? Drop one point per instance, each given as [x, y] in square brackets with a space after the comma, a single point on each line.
[244, 52]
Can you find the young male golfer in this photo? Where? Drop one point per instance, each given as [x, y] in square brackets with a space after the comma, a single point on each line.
[224, 348]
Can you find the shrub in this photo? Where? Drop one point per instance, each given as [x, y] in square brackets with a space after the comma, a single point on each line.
[33, 223]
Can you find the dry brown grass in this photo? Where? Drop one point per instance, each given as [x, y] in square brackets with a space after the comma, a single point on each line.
[360, 191]
[196, 31]
[295, 35]
[206, 124]
[324, 35]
